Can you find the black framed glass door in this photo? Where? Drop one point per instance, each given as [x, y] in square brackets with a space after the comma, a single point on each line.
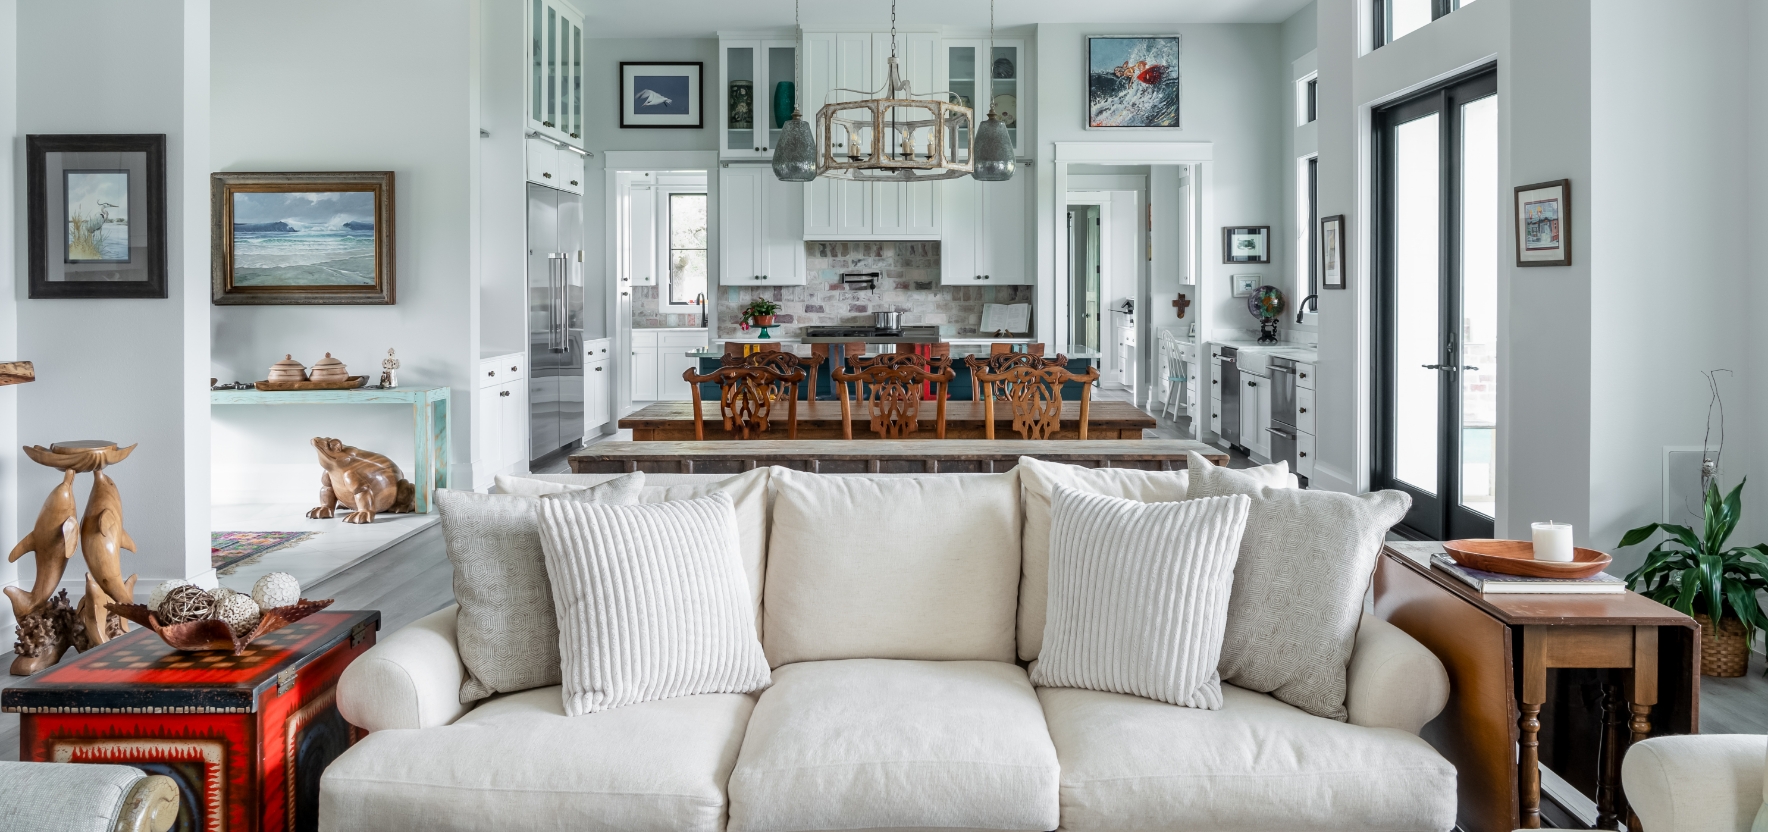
[1436, 294]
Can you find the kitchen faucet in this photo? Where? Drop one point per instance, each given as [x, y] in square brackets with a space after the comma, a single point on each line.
[1302, 309]
[701, 300]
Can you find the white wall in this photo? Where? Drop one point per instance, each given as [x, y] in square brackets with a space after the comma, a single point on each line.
[1227, 72]
[134, 371]
[352, 86]
[1298, 57]
[11, 185]
[503, 200]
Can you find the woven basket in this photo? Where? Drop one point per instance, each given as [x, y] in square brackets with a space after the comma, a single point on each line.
[1724, 652]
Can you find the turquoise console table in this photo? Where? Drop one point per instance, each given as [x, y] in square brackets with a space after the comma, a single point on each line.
[429, 414]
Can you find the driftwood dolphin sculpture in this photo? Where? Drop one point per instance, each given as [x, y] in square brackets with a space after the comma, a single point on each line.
[102, 538]
[53, 540]
[79, 461]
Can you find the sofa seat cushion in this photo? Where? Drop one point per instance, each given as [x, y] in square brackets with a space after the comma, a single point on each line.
[517, 762]
[1130, 764]
[896, 744]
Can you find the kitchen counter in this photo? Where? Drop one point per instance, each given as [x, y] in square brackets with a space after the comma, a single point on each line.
[1284, 349]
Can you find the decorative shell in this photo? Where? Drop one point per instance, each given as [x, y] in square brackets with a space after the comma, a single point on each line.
[328, 369]
[288, 369]
[240, 612]
[219, 594]
[277, 589]
[186, 603]
[158, 596]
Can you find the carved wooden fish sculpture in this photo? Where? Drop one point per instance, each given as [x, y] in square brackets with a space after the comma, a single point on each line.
[79, 462]
[53, 540]
[102, 538]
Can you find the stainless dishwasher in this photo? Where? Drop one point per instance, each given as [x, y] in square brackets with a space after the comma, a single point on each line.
[1228, 373]
[1283, 421]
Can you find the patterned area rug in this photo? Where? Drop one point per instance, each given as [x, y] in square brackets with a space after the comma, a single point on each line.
[230, 550]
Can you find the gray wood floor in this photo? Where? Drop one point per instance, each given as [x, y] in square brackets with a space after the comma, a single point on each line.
[413, 579]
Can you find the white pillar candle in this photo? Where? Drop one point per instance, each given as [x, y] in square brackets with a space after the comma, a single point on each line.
[1553, 541]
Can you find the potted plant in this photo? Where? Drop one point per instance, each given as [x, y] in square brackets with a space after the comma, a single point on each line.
[760, 312]
[1698, 576]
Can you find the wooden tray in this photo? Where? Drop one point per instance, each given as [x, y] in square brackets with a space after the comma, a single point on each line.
[1517, 557]
[350, 383]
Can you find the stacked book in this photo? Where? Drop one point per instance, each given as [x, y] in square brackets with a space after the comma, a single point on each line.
[1493, 583]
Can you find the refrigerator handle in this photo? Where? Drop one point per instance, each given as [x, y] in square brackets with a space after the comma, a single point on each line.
[552, 286]
[559, 305]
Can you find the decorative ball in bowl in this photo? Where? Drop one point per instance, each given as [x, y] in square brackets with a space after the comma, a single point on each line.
[187, 617]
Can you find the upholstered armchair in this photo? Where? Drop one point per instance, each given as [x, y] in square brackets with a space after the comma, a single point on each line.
[1711, 783]
[77, 797]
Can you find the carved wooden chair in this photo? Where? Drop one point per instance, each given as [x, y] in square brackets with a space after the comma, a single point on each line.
[747, 395]
[1035, 396]
[1007, 349]
[739, 349]
[1001, 362]
[891, 393]
[819, 361]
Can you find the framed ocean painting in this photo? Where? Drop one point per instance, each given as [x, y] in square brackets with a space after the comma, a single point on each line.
[302, 238]
[1132, 82]
[97, 216]
[664, 94]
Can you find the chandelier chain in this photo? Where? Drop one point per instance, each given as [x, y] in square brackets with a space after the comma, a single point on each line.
[893, 29]
[798, 55]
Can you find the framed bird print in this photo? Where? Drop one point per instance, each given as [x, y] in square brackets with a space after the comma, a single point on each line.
[662, 95]
[96, 220]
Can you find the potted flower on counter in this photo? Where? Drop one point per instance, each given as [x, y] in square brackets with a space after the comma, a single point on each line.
[760, 312]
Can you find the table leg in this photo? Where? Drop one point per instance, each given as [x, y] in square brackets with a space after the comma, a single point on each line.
[1528, 760]
[1642, 694]
[1608, 784]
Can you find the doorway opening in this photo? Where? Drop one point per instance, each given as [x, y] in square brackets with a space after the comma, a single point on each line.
[1084, 271]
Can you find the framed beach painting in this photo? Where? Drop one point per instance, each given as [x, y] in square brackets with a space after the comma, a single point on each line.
[302, 238]
[97, 216]
[662, 95]
[1132, 82]
[1544, 224]
[1332, 262]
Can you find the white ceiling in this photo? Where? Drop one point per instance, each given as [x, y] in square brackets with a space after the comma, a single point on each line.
[704, 18]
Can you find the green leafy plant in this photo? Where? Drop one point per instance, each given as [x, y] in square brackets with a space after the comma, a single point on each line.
[759, 308]
[1696, 573]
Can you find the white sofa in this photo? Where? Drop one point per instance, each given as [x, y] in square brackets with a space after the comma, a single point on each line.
[885, 741]
[1712, 783]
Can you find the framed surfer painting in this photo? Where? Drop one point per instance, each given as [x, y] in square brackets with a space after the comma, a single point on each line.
[97, 216]
[301, 238]
[1132, 82]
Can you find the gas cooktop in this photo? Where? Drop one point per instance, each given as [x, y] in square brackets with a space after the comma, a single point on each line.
[869, 334]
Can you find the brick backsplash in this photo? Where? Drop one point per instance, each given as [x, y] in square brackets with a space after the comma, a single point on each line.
[910, 285]
[647, 310]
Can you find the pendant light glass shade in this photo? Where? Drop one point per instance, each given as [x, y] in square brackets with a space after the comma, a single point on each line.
[794, 156]
[991, 152]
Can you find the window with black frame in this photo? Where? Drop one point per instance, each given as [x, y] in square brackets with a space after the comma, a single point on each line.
[1435, 263]
[1394, 19]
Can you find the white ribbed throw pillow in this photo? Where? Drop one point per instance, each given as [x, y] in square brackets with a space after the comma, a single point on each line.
[1139, 595]
[652, 601]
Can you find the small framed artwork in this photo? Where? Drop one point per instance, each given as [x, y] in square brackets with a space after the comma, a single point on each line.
[1132, 82]
[96, 208]
[1544, 224]
[1246, 244]
[1245, 284]
[301, 238]
[662, 95]
[1332, 261]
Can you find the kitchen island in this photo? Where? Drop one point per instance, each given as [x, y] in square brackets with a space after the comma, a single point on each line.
[881, 457]
[674, 421]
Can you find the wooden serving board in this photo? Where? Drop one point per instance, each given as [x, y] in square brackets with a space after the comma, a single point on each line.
[350, 383]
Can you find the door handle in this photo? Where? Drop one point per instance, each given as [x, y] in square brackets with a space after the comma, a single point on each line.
[1449, 367]
[1469, 367]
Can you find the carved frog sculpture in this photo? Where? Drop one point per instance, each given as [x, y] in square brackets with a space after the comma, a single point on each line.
[364, 481]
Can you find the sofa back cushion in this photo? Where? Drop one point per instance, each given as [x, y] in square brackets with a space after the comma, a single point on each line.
[1038, 480]
[748, 493]
[892, 567]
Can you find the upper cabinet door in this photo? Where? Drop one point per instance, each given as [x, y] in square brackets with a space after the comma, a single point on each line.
[1007, 90]
[742, 222]
[959, 240]
[752, 73]
[555, 70]
[1005, 228]
[641, 236]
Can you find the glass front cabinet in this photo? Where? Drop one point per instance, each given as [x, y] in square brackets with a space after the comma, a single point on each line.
[555, 70]
[978, 78]
[755, 94]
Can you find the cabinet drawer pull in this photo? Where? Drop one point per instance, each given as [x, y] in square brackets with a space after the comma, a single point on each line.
[1252, 384]
[1304, 410]
[1303, 375]
[573, 181]
[504, 393]
[547, 175]
[598, 369]
[491, 372]
[512, 369]
[1303, 453]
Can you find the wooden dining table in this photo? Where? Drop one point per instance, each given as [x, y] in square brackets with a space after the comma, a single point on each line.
[674, 422]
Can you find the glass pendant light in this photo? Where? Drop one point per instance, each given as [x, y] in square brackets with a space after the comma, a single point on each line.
[794, 157]
[991, 152]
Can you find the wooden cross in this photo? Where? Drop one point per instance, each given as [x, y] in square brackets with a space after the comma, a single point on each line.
[1181, 304]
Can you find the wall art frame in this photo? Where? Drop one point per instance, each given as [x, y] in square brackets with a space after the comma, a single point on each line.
[1133, 82]
[1544, 224]
[661, 95]
[95, 208]
[309, 238]
[1244, 244]
[1332, 252]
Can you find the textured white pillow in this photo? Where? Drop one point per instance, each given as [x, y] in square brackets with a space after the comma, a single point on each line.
[1305, 564]
[507, 629]
[892, 567]
[1037, 479]
[1139, 595]
[652, 601]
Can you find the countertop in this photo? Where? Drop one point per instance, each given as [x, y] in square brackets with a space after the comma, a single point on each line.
[1293, 352]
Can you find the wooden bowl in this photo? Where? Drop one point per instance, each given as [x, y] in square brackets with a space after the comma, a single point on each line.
[214, 634]
[1517, 557]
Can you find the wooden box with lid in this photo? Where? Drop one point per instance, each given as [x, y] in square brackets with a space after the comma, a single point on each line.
[245, 737]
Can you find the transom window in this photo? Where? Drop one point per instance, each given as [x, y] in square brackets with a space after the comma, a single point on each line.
[1395, 19]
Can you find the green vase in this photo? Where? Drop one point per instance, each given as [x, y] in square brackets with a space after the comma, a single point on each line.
[782, 103]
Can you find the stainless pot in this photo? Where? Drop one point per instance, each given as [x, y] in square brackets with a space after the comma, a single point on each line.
[889, 321]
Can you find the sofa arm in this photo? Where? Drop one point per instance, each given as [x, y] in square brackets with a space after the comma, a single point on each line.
[1687, 783]
[411, 679]
[61, 797]
[1393, 681]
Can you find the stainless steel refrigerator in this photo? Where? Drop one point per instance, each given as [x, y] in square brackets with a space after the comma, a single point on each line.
[555, 321]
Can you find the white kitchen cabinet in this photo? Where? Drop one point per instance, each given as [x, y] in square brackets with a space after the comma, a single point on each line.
[1255, 415]
[1215, 416]
[978, 78]
[638, 254]
[500, 419]
[1304, 410]
[985, 231]
[1304, 454]
[555, 70]
[554, 166]
[761, 228]
[598, 384]
[658, 358]
[752, 68]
